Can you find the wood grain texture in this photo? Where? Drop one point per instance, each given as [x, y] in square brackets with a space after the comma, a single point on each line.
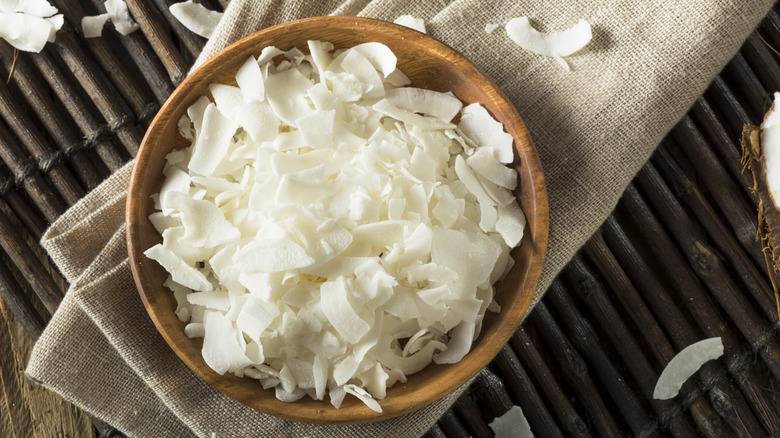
[429, 64]
[25, 409]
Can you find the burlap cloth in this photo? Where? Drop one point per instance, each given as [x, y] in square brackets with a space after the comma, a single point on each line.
[594, 127]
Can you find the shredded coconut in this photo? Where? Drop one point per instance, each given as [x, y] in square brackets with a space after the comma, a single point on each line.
[330, 233]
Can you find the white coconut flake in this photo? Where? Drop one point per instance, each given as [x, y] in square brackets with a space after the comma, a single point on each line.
[556, 44]
[92, 26]
[490, 27]
[512, 424]
[120, 16]
[477, 124]
[684, 365]
[29, 25]
[323, 218]
[196, 17]
[409, 21]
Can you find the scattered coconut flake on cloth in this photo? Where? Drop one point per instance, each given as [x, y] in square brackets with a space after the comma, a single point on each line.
[490, 27]
[409, 21]
[29, 25]
[512, 424]
[684, 365]
[556, 44]
[196, 17]
[329, 233]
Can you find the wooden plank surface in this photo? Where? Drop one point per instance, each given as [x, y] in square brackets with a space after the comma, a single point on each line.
[27, 410]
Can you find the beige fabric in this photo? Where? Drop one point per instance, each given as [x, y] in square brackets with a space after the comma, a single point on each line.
[594, 127]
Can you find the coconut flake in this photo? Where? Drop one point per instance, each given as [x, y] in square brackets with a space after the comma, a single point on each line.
[196, 17]
[512, 424]
[92, 26]
[411, 22]
[555, 44]
[120, 16]
[684, 365]
[28, 26]
[490, 27]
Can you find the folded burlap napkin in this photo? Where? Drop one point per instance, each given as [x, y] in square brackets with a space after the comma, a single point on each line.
[594, 127]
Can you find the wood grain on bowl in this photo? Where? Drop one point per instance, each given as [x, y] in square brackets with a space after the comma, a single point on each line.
[429, 64]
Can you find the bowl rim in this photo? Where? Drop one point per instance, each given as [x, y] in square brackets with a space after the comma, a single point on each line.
[457, 376]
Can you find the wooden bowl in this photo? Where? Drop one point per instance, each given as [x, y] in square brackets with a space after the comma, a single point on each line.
[429, 64]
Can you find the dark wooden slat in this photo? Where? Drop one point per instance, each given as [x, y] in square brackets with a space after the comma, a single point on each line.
[451, 426]
[727, 148]
[590, 292]
[543, 380]
[115, 63]
[20, 305]
[57, 126]
[94, 131]
[26, 176]
[154, 28]
[143, 57]
[99, 89]
[585, 339]
[701, 260]
[745, 84]
[19, 206]
[47, 159]
[723, 239]
[511, 372]
[738, 211]
[762, 62]
[728, 107]
[575, 372]
[680, 329]
[471, 417]
[682, 334]
[40, 279]
[192, 42]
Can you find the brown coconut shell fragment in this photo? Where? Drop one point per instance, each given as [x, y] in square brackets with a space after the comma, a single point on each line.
[768, 212]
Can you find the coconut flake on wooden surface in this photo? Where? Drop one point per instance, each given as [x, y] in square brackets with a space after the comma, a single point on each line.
[29, 25]
[92, 26]
[120, 16]
[556, 44]
[315, 230]
[196, 17]
[684, 365]
[417, 24]
[512, 424]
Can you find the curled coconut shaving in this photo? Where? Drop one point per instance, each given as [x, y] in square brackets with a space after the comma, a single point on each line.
[684, 365]
[556, 44]
[411, 22]
[196, 17]
[329, 233]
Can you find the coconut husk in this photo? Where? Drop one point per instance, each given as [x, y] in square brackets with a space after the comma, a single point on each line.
[768, 212]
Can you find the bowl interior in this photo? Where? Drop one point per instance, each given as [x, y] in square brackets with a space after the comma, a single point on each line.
[429, 64]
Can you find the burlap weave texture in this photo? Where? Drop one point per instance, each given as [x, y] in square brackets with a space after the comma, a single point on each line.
[594, 127]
